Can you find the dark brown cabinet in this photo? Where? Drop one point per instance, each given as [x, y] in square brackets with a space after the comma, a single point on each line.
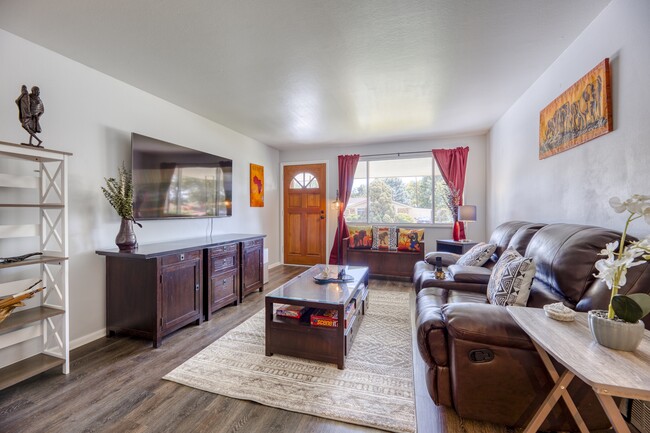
[153, 297]
[252, 266]
[159, 288]
[222, 273]
[180, 286]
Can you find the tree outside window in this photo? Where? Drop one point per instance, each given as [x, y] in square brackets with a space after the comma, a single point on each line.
[402, 190]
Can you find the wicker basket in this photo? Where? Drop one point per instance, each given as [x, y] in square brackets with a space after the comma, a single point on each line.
[6, 311]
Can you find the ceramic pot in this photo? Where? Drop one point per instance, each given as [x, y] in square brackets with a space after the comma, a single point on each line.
[125, 239]
[615, 334]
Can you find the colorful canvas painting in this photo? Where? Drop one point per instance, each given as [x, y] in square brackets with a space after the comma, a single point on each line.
[582, 113]
[257, 185]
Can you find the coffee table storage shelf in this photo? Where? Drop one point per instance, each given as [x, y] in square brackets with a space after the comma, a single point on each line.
[297, 337]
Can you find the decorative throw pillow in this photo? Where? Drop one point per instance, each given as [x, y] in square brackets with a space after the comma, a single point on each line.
[447, 257]
[409, 239]
[511, 279]
[384, 238]
[360, 237]
[478, 255]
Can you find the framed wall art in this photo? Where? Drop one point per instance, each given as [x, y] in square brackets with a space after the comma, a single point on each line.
[257, 185]
[582, 113]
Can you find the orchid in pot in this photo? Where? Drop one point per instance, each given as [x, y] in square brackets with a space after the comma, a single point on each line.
[621, 327]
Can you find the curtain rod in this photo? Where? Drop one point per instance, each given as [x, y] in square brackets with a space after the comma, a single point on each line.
[397, 153]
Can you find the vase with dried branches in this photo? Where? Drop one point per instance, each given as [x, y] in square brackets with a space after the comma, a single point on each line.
[119, 193]
[452, 200]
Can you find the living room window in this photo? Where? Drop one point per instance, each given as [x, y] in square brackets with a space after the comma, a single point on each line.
[403, 190]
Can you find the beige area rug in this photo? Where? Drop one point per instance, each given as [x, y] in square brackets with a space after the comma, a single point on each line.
[375, 389]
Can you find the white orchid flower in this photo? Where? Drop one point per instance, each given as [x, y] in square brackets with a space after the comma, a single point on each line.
[606, 271]
[613, 269]
[617, 205]
[609, 250]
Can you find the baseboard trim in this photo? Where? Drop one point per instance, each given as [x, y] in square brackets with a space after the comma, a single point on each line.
[78, 342]
[275, 265]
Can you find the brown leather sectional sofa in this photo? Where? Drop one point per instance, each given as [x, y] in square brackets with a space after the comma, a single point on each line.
[480, 362]
[515, 234]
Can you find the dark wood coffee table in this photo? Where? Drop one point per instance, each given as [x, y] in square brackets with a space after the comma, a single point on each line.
[296, 337]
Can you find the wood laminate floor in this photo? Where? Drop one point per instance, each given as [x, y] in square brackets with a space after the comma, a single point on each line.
[115, 385]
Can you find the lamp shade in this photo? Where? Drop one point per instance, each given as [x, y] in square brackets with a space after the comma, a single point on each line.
[467, 213]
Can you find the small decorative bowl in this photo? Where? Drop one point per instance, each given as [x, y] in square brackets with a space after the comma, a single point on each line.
[558, 311]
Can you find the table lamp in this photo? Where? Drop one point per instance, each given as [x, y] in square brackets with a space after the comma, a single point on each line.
[466, 214]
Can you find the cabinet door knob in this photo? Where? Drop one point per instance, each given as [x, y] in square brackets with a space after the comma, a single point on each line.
[196, 288]
[224, 281]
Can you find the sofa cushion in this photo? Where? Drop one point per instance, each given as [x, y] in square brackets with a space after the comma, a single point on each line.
[469, 274]
[511, 279]
[447, 258]
[477, 255]
[384, 238]
[502, 235]
[360, 237]
[565, 257]
[467, 321]
[522, 237]
[409, 239]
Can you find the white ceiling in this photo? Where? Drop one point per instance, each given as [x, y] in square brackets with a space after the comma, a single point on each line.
[294, 73]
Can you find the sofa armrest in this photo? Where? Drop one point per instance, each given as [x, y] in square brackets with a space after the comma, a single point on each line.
[485, 324]
[447, 258]
[432, 333]
[470, 274]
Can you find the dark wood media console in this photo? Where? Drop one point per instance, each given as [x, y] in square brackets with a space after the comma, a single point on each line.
[159, 288]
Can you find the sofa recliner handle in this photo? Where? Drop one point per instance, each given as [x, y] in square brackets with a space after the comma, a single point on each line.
[481, 355]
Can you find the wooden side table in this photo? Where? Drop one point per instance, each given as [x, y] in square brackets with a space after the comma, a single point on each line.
[608, 372]
[451, 246]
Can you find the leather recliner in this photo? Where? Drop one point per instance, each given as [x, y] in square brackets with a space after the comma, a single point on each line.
[515, 234]
[484, 366]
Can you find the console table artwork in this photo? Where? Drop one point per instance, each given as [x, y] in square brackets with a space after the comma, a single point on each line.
[159, 288]
[610, 373]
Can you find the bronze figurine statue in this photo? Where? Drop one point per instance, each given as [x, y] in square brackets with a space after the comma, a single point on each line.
[30, 110]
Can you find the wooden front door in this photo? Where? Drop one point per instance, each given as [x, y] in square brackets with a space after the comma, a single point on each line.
[304, 214]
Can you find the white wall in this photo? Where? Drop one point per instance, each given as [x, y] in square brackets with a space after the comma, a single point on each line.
[474, 180]
[92, 115]
[574, 186]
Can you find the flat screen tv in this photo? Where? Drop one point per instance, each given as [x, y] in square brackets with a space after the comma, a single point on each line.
[171, 181]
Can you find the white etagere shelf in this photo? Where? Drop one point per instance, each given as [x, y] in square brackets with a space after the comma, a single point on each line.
[44, 320]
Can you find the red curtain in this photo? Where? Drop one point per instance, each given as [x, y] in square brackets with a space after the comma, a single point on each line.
[347, 167]
[453, 164]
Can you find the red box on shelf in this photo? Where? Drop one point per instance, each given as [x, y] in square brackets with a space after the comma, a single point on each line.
[291, 311]
[330, 318]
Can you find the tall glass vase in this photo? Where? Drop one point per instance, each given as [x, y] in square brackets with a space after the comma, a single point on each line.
[125, 239]
[456, 231]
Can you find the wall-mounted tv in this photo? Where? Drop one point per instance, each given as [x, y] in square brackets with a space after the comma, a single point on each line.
[171, 181]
